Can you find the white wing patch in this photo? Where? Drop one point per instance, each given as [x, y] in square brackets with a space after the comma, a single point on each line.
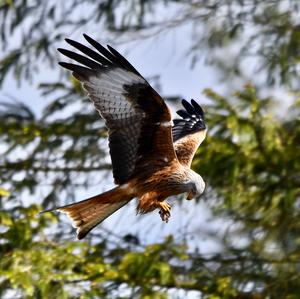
[107, 93]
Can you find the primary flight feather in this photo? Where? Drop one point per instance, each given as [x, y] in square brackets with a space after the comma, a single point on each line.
[151, 159]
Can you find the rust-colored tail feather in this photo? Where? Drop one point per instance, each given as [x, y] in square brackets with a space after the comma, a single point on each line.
[88, 213]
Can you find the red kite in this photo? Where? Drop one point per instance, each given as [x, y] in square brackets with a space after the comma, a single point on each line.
[151, 158]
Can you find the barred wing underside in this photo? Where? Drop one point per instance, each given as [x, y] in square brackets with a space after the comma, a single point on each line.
[137, 118]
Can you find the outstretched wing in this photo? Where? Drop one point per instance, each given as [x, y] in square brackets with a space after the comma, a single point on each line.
[138, 120]
[188, 132]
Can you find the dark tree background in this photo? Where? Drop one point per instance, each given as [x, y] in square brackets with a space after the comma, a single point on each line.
[250, 160]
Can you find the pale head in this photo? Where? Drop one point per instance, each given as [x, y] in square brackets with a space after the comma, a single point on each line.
[196, 183]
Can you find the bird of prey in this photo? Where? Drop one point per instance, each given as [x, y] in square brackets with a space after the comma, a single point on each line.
[150, 157]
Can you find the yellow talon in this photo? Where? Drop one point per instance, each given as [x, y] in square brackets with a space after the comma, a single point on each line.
[164, 206]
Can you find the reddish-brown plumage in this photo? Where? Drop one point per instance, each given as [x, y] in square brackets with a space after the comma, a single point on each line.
[154, 187]
[146, 164]
[187, 146]
[88, 213]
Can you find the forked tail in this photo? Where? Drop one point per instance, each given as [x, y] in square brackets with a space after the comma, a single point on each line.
[88, 213]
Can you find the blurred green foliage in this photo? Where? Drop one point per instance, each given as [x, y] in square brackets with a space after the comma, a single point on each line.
[250, 159]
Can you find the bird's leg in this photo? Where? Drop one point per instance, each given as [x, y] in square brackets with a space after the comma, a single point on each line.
[164, 212]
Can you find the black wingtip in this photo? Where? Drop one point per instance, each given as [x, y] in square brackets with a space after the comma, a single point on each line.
[192, 108]
[69, 41]
[183, 114]
[93, 42]
[188, 107]
[88, 38]
[61, 50]
[197, 107]
[112, 50]
[184, 102]
[191, 121]
[64, 64]
[191, 111]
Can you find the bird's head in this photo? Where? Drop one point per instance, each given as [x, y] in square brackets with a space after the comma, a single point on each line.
[197, 185]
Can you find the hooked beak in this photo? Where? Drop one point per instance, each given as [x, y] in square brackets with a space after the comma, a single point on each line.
[190, 196]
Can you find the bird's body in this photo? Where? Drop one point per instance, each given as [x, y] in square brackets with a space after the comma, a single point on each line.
[151, 159]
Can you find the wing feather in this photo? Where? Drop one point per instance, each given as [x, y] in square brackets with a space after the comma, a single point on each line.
[89, 52]
[79, 58]
[188, 132]
[138, 120]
